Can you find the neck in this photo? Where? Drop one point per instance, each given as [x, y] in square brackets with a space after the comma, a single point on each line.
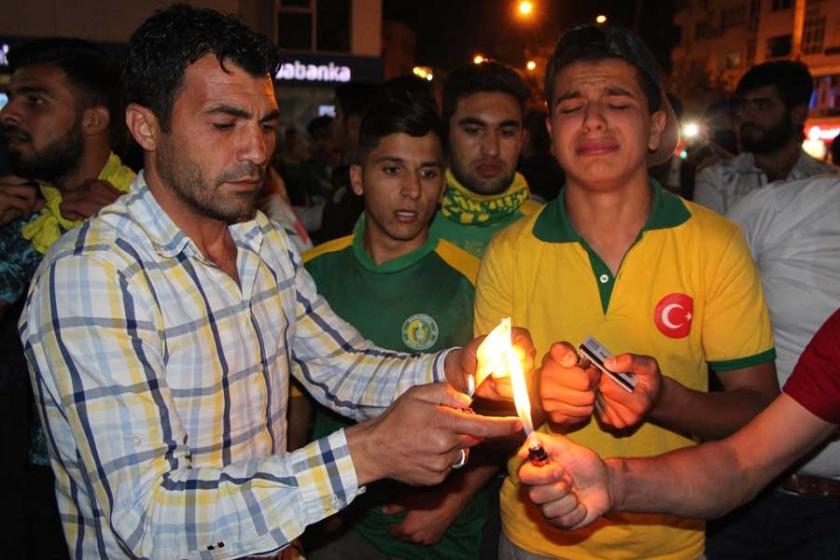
[610, 219]
[778, 164]
[382, 249]
[211, 236]
[94, 157]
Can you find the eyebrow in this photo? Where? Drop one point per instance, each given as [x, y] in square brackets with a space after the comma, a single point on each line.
[610, 90]
[240, 113]
[30, 89]
[478, 122]
[394, 159]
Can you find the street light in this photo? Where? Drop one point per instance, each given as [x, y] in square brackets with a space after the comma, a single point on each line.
[525, 8]
[600, 19]
[478, 59]
[531, 65]
[423, 72]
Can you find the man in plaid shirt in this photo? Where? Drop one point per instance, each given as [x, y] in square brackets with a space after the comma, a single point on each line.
[161, 335]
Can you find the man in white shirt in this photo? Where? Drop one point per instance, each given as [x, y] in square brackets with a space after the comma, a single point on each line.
[771, 105]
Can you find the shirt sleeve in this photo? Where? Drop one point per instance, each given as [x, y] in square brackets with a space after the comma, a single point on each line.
[97, 356]
[341, 369]
[493, 290]
[736, 323]
[815, 381]
[19, 262]
[708, 190]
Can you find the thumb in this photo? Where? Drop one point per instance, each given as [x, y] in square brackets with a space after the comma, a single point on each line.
[392, 509]
[440, 394]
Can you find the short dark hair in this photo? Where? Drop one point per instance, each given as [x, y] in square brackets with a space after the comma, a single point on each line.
[91, 73]
[591, 43]
[398, 111]
[162, 48]
[489, 77]
[791, 78]
[354, 97]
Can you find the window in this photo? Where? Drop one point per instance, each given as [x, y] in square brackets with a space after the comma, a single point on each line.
[704, 30]
[813, 30]
[732, 17]
[314, 25]
[779, 46]
[781, 5]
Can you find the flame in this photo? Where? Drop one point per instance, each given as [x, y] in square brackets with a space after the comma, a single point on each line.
[497, 356]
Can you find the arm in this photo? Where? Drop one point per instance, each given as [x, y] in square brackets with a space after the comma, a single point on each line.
[18, 262]
[715, 415]
[99, 370]
[705, 481]
[711, 479]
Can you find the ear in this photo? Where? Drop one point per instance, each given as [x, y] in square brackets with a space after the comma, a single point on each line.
[356, 179]
[143, 126]
[95, 120]
[548, 123]
[798, 115]
[657, 127]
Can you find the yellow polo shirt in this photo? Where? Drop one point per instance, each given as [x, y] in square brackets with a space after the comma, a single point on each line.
[687, 293]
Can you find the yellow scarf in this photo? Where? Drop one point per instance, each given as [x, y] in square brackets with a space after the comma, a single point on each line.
[461, 205]
[45, 230]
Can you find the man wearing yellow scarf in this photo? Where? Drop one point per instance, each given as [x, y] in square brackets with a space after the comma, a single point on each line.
[58, 126]
[58, 123]
[484, 108]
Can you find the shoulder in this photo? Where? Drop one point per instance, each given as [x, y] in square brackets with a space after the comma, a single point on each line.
[458, 259]
[328, 248]
[530, 207]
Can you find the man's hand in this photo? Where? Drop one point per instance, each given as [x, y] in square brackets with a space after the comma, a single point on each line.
[18, 200]
[428, 515]
[567, 392]
[88, 199]
[624, 409]
[573, 489]
[420, 436]
[461, 363]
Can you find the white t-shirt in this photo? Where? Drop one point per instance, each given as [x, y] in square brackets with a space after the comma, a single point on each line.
[793, 230]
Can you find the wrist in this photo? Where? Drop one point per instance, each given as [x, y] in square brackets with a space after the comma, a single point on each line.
[669, 391]
[360, 441]
[616, 483]
[452, 369]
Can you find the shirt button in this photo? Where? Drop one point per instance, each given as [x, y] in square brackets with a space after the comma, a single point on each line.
[337, 503]
[604, 279]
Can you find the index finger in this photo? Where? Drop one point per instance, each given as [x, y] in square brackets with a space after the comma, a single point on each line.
[481, 427]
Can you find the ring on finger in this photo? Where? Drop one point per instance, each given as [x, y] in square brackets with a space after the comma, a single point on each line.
[463, 460]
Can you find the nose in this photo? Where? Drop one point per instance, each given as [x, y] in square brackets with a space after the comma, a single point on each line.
[490, 143]
[593, 117]
[9, 113]
[411, 186]
[256, 144]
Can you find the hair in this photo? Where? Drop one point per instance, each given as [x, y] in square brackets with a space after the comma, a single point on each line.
[487, 77]
[594, 52]
[791, 78]
[162, 48]
[396, 111]
[319, 126]
[91, 73]
[353, 97]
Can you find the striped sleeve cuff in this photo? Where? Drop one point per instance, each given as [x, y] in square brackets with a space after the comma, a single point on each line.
[739, 363]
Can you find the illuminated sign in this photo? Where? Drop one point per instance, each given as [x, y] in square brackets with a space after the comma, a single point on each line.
[825, 134]
[301, 72]
[4, 51]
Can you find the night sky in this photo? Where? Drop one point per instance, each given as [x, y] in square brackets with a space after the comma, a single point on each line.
[449, 32]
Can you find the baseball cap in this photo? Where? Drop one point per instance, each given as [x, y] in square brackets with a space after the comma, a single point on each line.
[579, 43]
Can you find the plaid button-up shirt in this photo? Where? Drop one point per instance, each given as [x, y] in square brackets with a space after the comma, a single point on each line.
[163, 385]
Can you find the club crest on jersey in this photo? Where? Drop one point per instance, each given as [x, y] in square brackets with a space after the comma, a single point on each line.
[420, 332]
[673, 315]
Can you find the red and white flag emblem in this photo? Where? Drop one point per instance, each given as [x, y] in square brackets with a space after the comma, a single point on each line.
[673, 315]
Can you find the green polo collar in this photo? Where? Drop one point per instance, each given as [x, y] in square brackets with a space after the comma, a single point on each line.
[395, 265]
[553, 225]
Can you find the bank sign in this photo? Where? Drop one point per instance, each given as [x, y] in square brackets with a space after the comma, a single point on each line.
[315, 69]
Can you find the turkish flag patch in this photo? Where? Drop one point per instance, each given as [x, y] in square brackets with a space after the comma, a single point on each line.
[673, 315]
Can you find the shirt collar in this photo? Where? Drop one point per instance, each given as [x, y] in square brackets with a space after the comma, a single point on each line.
[553, 224]
[168, 239]
[394, 265]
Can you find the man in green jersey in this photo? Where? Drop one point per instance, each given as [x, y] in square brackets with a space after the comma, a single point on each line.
[484, 111]
[409, 291]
